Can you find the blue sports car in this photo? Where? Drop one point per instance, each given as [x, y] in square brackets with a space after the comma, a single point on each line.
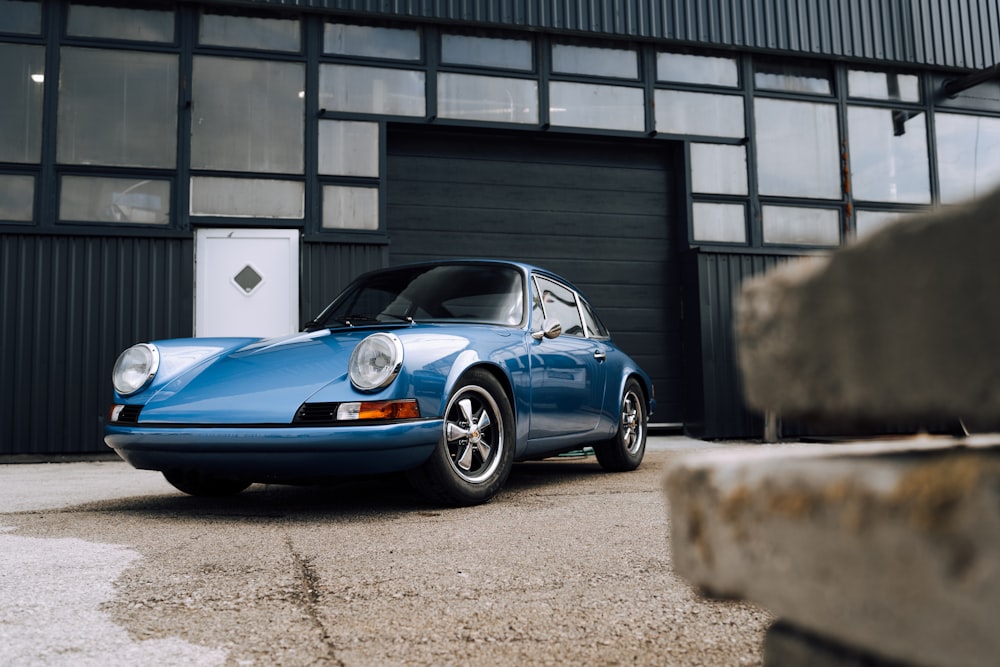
[449, 371]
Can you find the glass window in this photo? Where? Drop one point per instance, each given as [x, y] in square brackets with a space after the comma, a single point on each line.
[591, 105]
[347, 207]
[704, 70]
[869, 221]
[371, 42]
[247, 197]
[560, 303]
[117, 108]
[141, 25]
[489, 98]
[707, 114]
[129, 200]
[594, 61]
[793, 77]
[22, 79]
[22, 17]
[888, 154]
[968, 154]
[883, 86]
[250, 32]
[595, 328]
[348, 148]
[247, 115]
[486, 52]
[801, 226]
[720, 223]
[982, 97]
[393, 92]
[719, 169]
[17, 196]
[798, 151]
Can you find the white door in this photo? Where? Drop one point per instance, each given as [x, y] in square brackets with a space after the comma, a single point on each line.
[246, 282]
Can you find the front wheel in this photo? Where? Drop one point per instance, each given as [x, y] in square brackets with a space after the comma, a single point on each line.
[200, 483]
[625, 450]
[474, 456]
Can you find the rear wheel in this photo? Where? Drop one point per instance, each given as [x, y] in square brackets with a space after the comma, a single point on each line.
[474, 456]
[625, 450]
[201, 483]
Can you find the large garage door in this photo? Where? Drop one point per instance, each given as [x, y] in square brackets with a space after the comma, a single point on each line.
[599, 213]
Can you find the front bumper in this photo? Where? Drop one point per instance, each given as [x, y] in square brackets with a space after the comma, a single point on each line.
[282, 453]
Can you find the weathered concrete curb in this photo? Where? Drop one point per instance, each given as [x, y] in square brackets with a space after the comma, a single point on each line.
[900, 325]
[893, 549]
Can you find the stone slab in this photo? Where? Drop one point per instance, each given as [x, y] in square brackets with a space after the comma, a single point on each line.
[892, 548]
[901, 325]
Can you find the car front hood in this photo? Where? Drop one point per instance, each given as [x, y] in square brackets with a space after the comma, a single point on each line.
[264, 382]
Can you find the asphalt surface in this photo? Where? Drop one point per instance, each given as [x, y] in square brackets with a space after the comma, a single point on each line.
[101, 564]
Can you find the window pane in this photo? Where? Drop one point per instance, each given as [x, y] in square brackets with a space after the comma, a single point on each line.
[144, 25]
[126, 200]
[968, 153]
[794, 78]
[22, 79]
[247, 197]
[250, 32]
[348, 148]
[797, 149]
[801, 226]
[350, 208]
[869, 221]
[592, 61]
[17, 196]
[982, 97]
[117, 108]
[371, 42]
[23, 17]
[888, 155]
[489, 98]
[486, 52]
[719, 169]
[721, 223]
[679, 112]
[706, 70]
[394, 92]
[590, 105]
[883, 86]
[247, 115]
[560, 303]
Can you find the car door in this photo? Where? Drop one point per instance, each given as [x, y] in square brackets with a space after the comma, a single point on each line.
[568, 373]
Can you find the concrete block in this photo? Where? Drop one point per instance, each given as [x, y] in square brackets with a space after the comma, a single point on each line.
[892, 549]
[900, 325]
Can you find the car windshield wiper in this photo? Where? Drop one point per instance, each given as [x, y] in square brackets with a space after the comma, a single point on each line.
[360, 318]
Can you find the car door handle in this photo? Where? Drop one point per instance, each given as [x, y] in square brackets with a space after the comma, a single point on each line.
[600, 356]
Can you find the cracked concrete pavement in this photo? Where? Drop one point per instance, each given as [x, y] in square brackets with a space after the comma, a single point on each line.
[103, 564]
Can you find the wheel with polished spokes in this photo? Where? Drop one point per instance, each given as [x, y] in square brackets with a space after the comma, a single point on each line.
[625, 450]
[476, 450]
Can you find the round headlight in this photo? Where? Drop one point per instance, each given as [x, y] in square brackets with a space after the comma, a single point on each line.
[135, 367]
[376, 361]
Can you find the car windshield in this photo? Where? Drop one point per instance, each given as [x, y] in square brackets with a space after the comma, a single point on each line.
[487, 294]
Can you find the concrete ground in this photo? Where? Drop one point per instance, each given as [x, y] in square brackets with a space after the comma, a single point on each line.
[104, 564]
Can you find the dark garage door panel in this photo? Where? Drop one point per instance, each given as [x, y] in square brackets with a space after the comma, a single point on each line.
[596, 212]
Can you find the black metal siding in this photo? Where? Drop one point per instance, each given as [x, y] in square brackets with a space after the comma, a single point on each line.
[941, 33]
[70, 305]
[327, 268]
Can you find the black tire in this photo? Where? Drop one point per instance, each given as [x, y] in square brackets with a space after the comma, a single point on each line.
[625, 450]
[200, 483]
[474, 456]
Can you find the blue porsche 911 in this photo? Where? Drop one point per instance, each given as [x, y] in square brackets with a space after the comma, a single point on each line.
[449, 371]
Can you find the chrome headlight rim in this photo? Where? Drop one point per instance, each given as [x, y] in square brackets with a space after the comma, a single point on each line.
[375, 362]
[131, 374]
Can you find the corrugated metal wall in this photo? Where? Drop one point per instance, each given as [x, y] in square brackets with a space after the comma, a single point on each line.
[72, 303]
[945, 33]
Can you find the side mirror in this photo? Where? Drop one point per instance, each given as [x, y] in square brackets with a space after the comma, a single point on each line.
[551, 328]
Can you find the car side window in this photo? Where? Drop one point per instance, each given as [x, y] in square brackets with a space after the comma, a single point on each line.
[560, 302]
[595, 328]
